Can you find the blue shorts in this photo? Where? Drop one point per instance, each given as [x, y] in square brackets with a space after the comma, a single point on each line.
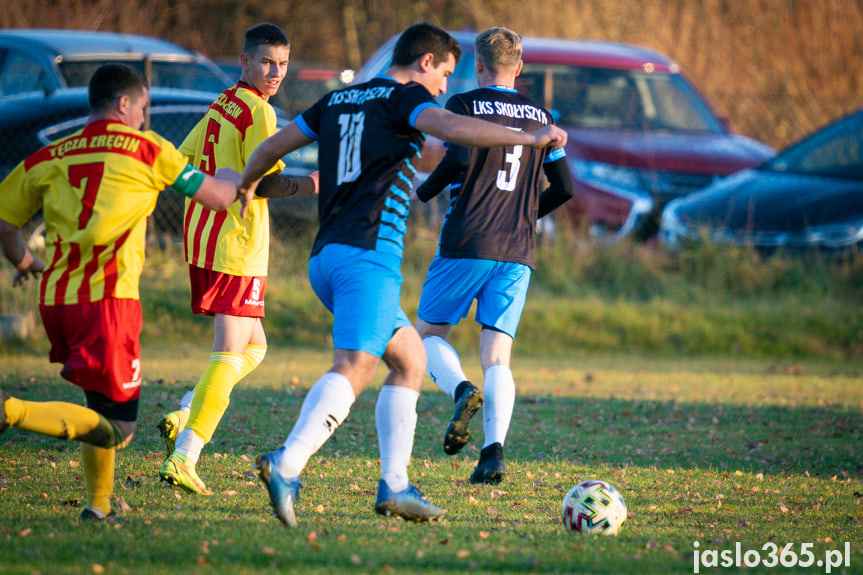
[499, 288]
[362, 289]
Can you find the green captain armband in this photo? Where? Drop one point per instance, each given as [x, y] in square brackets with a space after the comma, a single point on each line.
[189, 181]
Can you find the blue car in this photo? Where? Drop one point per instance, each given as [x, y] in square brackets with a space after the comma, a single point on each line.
[810, 196]
[44, 60]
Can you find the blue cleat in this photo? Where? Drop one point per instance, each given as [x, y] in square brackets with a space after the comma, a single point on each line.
[283, 492]
[408, 504]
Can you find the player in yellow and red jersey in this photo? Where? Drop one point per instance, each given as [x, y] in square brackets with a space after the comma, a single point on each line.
[227, 253]
[96, 189]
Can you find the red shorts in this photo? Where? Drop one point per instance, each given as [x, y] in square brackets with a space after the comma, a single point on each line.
[216, 292]
[98, 345]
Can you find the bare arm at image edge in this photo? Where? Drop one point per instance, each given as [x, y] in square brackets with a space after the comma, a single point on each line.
[15, 250]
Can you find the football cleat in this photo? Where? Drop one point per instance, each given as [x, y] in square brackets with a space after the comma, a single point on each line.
[95, 515]
[468, 402]
[283, 492]
[490, 468]
[179, 470]
[408, 504]
[170, 427]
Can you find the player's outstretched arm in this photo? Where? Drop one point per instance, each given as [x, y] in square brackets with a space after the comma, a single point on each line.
[466, 131]
[15, 250]
[270, 150]
[220, 192]
[279, 186]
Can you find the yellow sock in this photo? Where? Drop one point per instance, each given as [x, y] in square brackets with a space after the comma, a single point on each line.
[252, 358]
[213, 393]
[63, 421]
[98, 476]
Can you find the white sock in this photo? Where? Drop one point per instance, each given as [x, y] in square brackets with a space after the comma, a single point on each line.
[396, 421]
[186, 402]
[444, 366]
[325, 408]
[499, 391]
[189, 444]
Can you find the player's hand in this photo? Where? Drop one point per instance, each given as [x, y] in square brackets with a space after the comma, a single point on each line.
[229, 175]
[246, 197]
[34, 270]
[550, 135]
[316, 176]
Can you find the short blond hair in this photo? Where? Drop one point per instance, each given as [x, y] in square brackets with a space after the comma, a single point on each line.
[498, 48]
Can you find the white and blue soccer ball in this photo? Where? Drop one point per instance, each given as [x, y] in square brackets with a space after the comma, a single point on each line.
[593, 508]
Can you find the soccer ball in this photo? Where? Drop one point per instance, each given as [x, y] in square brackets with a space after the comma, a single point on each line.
[593, 508]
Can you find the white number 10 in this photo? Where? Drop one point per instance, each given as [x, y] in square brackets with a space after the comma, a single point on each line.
[350, 138]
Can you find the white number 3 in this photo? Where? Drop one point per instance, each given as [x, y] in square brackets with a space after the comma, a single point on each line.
[506, 177]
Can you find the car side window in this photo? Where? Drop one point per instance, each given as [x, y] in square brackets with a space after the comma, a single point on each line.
[19, 73]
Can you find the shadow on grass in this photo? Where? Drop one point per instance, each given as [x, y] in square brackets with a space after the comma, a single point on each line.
[553, 440]
[819, 441]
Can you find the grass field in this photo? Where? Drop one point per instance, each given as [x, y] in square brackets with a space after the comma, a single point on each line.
[714, 451]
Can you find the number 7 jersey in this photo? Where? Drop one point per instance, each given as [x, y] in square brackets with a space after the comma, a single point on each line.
[96, 189]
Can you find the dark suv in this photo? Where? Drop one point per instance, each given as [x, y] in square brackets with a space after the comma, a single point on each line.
[48, 60]
[640, 133]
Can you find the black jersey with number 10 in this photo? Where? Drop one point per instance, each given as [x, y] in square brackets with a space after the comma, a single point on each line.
[366, 144]
[493, 212]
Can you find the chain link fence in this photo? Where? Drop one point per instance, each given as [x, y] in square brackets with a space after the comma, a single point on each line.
[28, 123]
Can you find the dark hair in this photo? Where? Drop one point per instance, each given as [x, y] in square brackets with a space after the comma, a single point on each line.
[424, 38]
[110, 81]
[263, 35]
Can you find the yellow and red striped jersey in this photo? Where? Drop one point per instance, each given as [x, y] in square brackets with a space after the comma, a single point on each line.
[96, 188]
[225, 137]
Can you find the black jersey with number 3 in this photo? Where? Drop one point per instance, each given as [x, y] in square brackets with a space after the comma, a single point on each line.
[493, 212]
[366, 143]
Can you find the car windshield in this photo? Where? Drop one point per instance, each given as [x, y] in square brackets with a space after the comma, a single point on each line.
[167, 74]
[593, 97]
[835, 151]
[587, 97]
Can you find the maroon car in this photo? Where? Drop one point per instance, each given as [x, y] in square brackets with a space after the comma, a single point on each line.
[640, 134]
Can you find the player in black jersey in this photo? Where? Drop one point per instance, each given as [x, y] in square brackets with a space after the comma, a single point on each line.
[487, 247]
[368, 137]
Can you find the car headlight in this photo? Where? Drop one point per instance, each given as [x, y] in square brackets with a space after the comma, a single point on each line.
[600, 174]
[836, 236]
[671, 228]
